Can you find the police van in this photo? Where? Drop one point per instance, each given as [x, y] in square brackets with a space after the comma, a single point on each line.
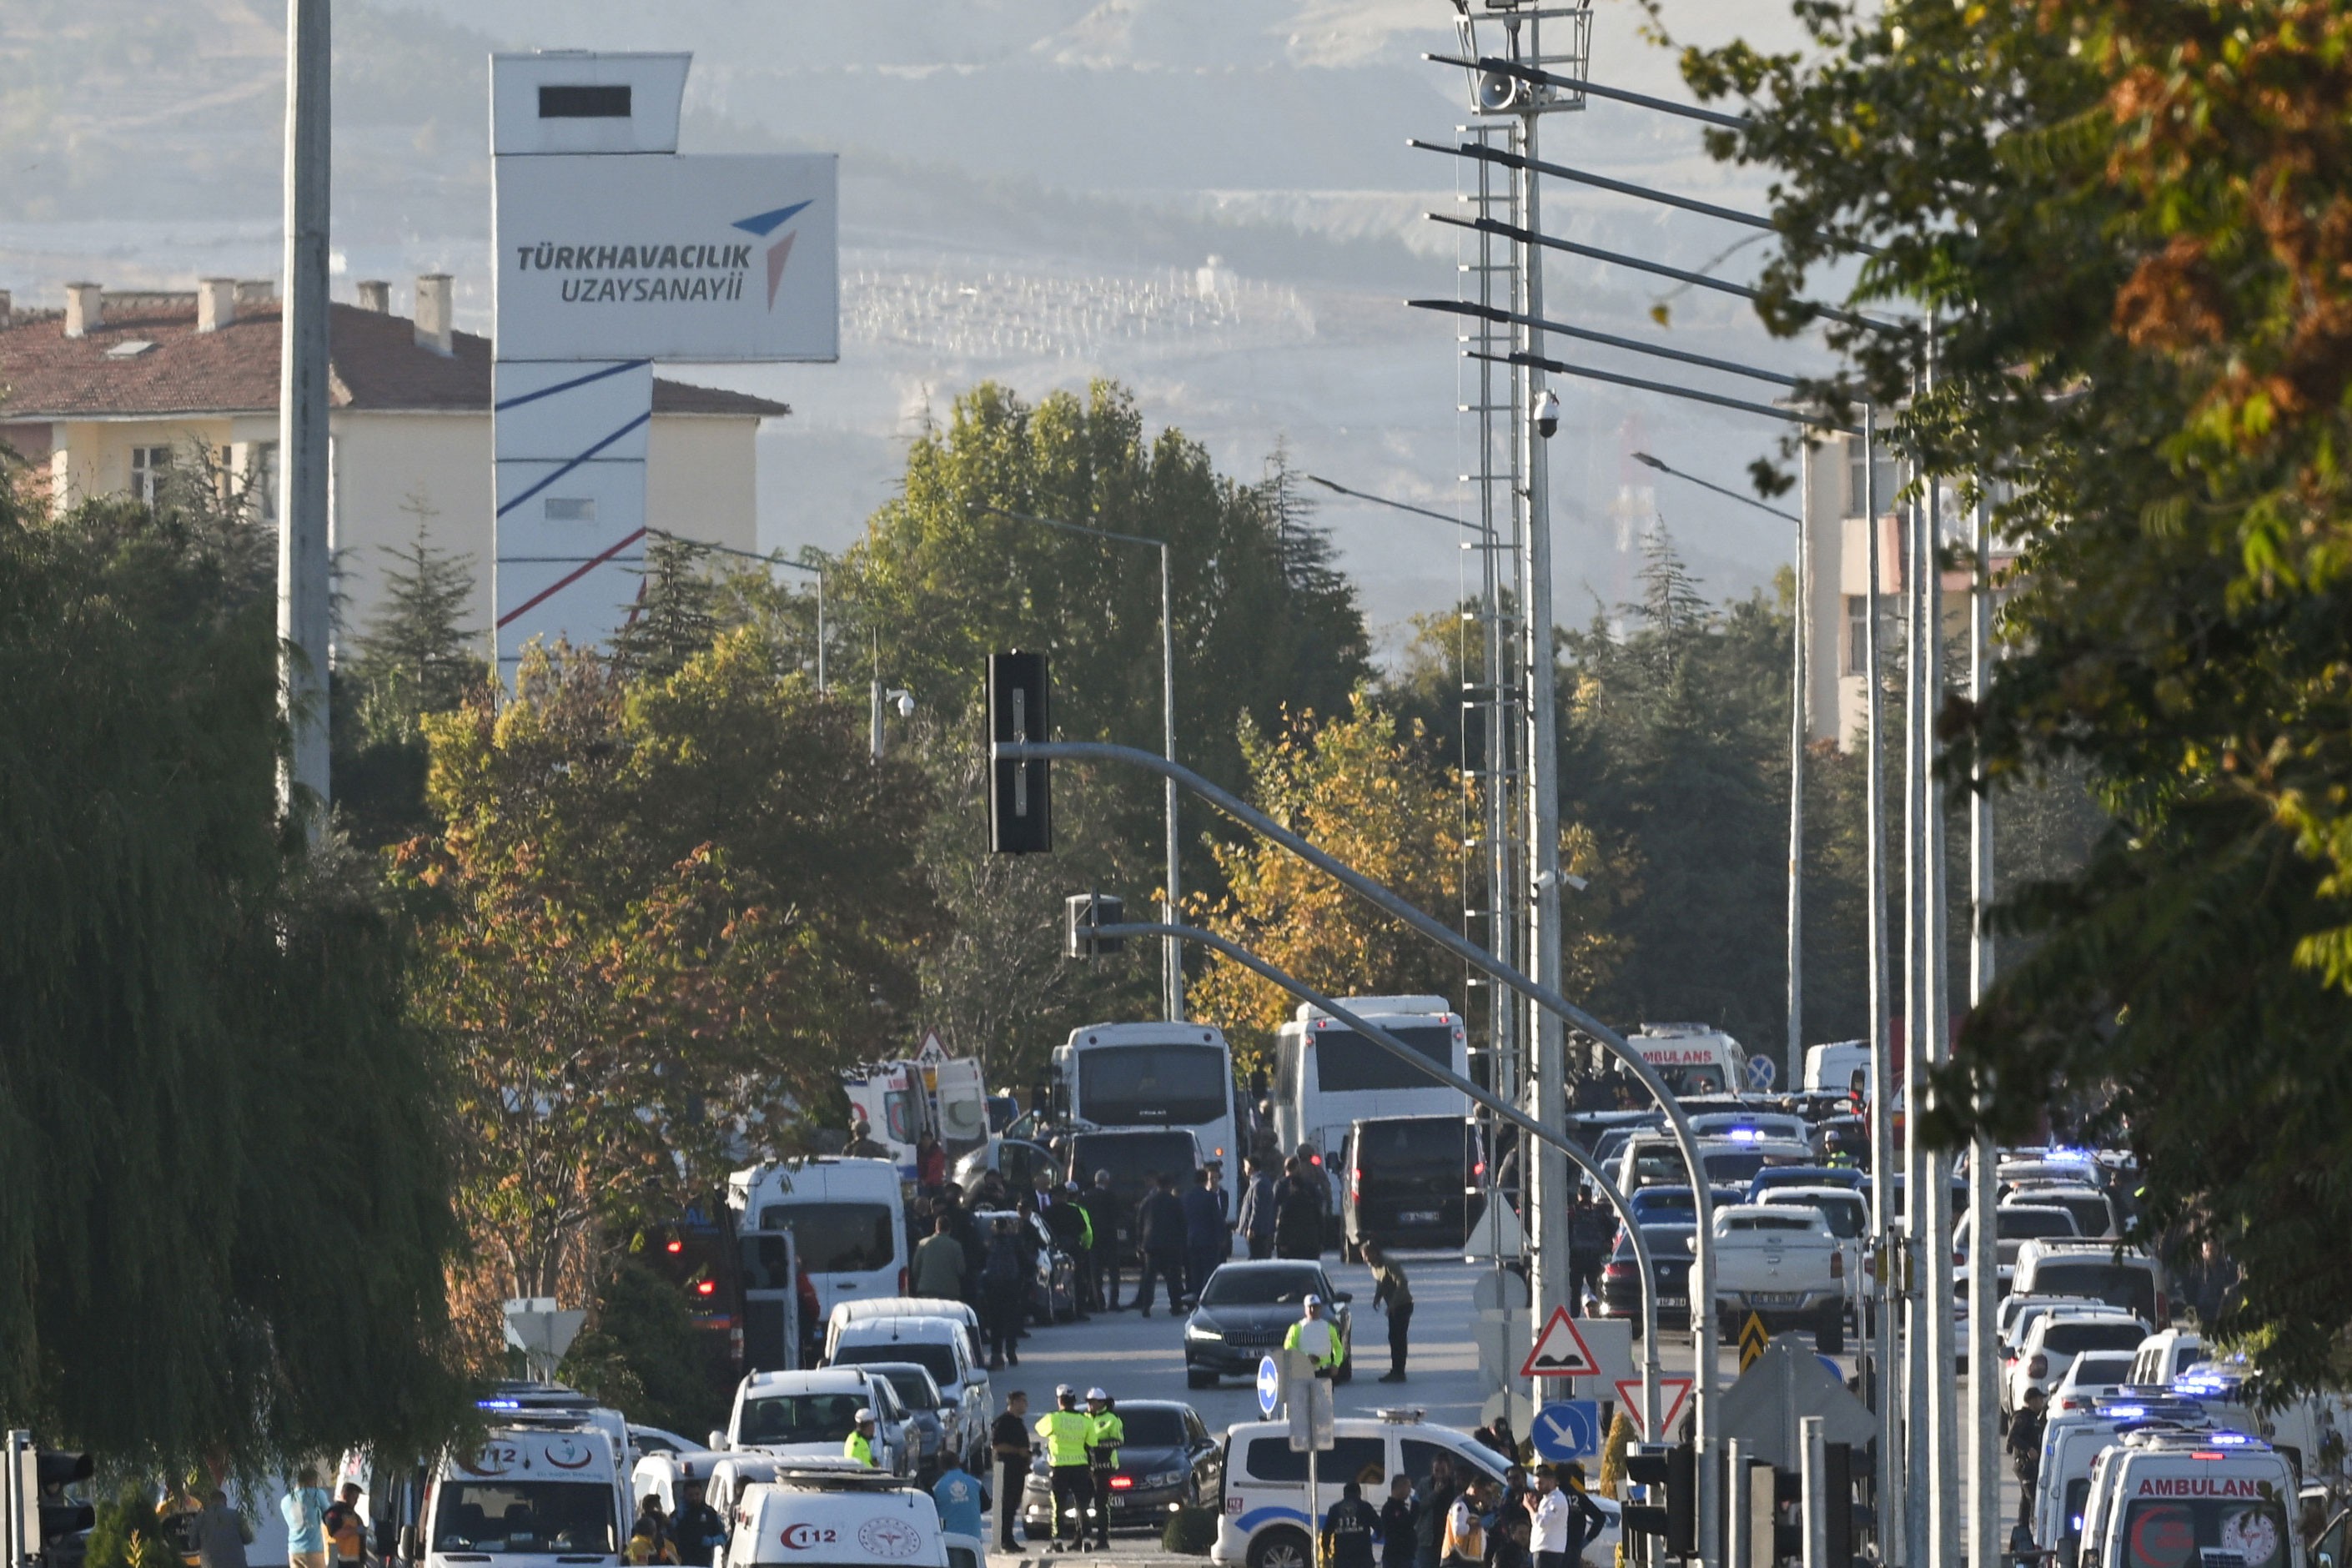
[826, 1516]
[544, 1486]
[1262, 1514]
[2170, 1498]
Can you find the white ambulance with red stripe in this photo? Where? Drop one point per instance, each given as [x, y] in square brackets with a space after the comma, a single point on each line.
[2170, 1498]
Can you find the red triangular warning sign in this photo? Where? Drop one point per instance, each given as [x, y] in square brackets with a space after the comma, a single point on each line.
[1675, 1389]
[1560, 1350]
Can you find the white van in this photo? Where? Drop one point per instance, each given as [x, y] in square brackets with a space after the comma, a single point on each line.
[1829, 1069]
[541, 1492]
[2133, 1282]
[1262, 1517]
[830, 1516]
[2165, 1355]
[847, 1220]
[1692, 1058]
[857, 1311]
[2170, 1498]
[797, 1417]
[2071, 1444]
[940, 1346]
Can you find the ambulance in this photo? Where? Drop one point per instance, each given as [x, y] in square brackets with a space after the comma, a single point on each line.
[1692, 1058]
[2072, 1441]
[2170, 1498]
[829, 1517]
[545, 1487]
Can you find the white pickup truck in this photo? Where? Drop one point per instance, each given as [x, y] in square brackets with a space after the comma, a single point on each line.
[1783, 1264]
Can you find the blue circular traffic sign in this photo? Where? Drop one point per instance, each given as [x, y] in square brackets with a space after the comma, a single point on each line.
[1269, 1385]
[1762, 1071]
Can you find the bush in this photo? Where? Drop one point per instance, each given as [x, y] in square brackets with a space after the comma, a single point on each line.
[1189, 1532]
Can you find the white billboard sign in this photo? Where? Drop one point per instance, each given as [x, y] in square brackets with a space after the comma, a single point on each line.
[668, 256]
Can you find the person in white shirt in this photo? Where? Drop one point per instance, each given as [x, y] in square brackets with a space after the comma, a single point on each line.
[1562, 1521]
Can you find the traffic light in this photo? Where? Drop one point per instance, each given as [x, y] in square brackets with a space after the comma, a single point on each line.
[1670, 1477]
[1837, 1489]
[1086, 912]
[41, 1512]
[1020, 793]
[1787, 1515]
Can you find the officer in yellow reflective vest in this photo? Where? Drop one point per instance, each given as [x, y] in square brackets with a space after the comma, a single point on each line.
[859, 1444]
[1319, 1338]
[1102, 1458]
[1065, 1433]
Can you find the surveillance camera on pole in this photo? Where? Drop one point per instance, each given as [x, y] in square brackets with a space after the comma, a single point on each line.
[1546, 414]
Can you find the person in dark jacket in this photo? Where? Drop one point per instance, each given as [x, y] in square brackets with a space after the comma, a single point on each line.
[1004, 1280]
[1204, 1234]
[1399, 1521]
[1107, 1213]
[1009, 1440]
[1257, 1211]
[1348, 1527]
[1159, 1234]
[1297, 1214]
[1437, 1502]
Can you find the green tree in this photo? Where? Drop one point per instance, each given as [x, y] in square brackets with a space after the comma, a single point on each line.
[210, 1101]
[2133, 224]
[940, 581]
[416, 657]
[676, 612]
[658, 916]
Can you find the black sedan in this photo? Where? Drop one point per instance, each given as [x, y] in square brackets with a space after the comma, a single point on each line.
[1169, 1461]
[1620, 1279]
[1246, 1309]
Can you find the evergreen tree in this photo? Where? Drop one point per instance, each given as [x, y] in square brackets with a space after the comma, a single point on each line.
[676, 612]
[416, 655]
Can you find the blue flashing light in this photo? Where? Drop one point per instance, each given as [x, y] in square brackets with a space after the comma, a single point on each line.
[498, 1405]
[1747, 1134]
[2124, 1412]
[2231, 1439]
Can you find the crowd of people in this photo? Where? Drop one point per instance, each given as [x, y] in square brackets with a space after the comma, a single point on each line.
[1545, 1520]
[980, 1246]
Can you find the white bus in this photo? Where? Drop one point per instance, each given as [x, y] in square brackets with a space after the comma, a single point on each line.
[1327, 1077]
[1153, 1075]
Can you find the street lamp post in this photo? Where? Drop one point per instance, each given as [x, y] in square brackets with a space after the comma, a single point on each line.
[1172, 950]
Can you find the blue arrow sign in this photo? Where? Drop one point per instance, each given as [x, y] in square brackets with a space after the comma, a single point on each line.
[1762, 1071]
[1567, 1429]
[1269, 1385]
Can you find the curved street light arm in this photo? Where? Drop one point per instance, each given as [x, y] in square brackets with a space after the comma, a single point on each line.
[1702, 1285]
[1511, 1113]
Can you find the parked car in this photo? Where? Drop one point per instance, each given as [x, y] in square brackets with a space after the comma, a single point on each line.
[938, 1345]
[1670, 1255]
[1170, 1460]
[1246, 1309]
[2053, 1342]
[935, 1419]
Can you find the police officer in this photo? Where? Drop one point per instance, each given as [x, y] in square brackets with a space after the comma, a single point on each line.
[1319, 1337]
[1102, 1457]
[1009, 1440]
[1833, 1151]
[1348, 1529]
[1064, 1433]
[859, 1444]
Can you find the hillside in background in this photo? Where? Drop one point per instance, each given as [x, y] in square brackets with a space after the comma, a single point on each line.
[1033, 190]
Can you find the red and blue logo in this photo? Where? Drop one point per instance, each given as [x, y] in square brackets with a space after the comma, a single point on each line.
[765, 224]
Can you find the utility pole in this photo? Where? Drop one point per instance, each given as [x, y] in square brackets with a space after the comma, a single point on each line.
[1945, 1520]
[1173, 953]
[1550, 1206]
[1882, 1066]
[303, 562]
[1919, 1370]
[1798, 726]
[1984, 1449]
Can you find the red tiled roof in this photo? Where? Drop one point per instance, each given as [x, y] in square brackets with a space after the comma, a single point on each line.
[375, 358]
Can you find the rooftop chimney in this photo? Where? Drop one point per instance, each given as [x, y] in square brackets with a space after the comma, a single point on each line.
[85, 309]
[375, 294]
[433, 327]
[216, 304]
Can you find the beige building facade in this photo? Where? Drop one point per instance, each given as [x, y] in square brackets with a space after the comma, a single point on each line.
[103, 396]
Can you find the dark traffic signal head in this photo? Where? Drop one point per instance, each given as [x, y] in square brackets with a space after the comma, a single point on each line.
[1020, 793]
[1671, 1477]
[50, 1516]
